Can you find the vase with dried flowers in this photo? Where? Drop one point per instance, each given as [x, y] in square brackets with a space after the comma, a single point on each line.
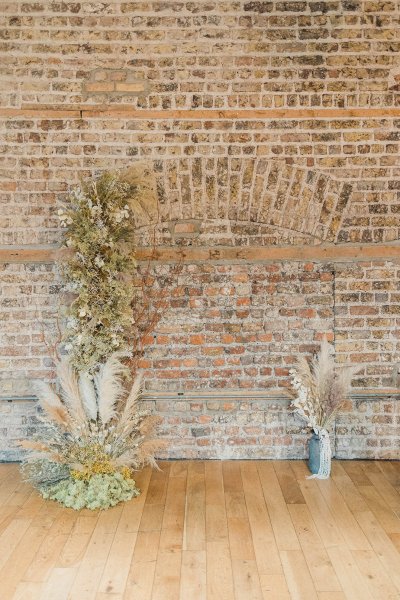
[320, 391]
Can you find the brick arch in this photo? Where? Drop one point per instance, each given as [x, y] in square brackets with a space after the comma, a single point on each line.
[257, 198]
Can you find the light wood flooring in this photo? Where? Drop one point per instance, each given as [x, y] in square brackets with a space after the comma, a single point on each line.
[234, 530]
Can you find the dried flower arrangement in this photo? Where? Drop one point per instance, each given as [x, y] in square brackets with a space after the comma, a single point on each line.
[320, 392]
[94, 435]
[99, 227]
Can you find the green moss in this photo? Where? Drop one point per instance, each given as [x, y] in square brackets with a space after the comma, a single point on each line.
[100, 492]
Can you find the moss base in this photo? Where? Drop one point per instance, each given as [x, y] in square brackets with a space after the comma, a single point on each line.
[100, 492]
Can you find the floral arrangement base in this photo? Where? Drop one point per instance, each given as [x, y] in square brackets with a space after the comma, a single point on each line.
[101, 491]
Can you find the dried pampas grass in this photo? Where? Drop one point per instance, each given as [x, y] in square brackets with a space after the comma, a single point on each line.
[320, 387]
[96, 426]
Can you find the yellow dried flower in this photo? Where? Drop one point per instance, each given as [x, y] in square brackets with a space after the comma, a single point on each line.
[126, 473]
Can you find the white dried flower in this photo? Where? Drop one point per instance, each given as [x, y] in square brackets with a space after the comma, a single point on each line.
[99, 262]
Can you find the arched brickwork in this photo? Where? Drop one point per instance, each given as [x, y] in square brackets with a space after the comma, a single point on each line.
[265, 201]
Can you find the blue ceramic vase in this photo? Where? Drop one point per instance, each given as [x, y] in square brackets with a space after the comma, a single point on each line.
[314, 454]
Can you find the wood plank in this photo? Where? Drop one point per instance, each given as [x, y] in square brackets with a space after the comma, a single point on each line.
[148, 566]
[300, 470]
[395, 539]
[92, 565]
[11, 537]
[116, 570]
[297, 575]
[355, 471]
[351, 494]
[193, 575]
[272, 578]
[240, 538]
[321, 514]
[27, 590]
[167, 576]
[57, 112]
[322, 253]
[288, 483]
[132, 511]
[219, 575]
[51, 547]
[58, 585]
[370, 568]
[350, 578]
[32, 506]
[385, 489]
[343, 517]
[211, 530]
[172, 529]
[391, 471]
[157, 488]
[178, 468]
[244, 567]
[197, 113]
[282, 525]
[140, 581]
[194, 537]
[120, 111]
[19, 560]
[140, 578]
[382, 511]
[246, 580]
[317, 559]
[382, 545]
[216, 519]
[75, 546]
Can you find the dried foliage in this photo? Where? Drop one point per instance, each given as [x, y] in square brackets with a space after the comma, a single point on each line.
[98, 222]
[95, 427]
[320, 388]
[155, 287]
[116, 305]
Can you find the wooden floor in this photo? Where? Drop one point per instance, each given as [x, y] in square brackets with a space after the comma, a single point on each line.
[230, 530]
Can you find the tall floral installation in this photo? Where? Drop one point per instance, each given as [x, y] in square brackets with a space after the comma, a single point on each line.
[320, 391]
[94, 433]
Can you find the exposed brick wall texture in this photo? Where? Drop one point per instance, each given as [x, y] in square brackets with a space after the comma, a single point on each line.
[204, 54]
[241, 428]
[302, 177]
[239, 326]
[43, 156]
[231, 327]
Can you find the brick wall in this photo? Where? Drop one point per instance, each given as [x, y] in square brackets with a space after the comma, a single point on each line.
[42, 156]
[262, 125]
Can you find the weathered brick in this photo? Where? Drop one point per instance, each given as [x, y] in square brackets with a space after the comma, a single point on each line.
[231, 181]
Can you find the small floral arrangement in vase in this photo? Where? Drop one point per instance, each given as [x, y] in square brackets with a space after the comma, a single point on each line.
[320, 392]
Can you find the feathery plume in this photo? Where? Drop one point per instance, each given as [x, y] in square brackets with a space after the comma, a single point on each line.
[88, 395]
[70, 390]
[51, 404]
[131, 401]
[109, 387]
